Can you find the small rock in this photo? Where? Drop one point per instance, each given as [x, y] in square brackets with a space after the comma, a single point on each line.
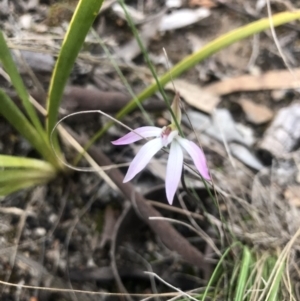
[256, 113]
[174, 3]
[278, 95]
[26, 21]
[40, 232]
[91, 263]
[52, 218]
[255, 70]
[182, 18]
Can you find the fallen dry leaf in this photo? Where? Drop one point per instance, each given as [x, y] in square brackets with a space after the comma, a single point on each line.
[207, 98]
[272, 80]
[195, 96]
[256, 113]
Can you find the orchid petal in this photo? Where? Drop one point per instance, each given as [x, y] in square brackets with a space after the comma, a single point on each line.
[174, 170]
[138, 134]
[143, 157]
[197, 155]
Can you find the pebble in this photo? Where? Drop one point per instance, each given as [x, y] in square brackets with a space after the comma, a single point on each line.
[52, 218]
[40, 231]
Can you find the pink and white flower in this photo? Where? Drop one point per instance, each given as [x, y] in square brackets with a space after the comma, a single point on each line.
[163, 137]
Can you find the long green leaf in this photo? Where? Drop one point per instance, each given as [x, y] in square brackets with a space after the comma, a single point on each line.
[197, 57]
[15, 179]
[6, 190]
[12, 71]
[11, 176]
[22, 162]
[15, 186]
[82, 20]
[18, 120]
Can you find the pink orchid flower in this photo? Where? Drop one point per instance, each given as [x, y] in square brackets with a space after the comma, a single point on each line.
[163, 137]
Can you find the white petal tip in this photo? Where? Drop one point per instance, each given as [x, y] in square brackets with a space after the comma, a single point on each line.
[170, 196]
[205, 175]
[170, 201]
[126, 179]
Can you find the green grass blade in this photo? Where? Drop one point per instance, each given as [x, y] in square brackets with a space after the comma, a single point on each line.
[18, 120]
[22, 162]
[274, 289]
[230, 289]
[197, 57]
[12, 71]
[244, 271]
[217, 270]
[82, 20]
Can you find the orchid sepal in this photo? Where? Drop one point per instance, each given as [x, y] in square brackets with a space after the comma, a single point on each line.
[142, 158]
[138, 134]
